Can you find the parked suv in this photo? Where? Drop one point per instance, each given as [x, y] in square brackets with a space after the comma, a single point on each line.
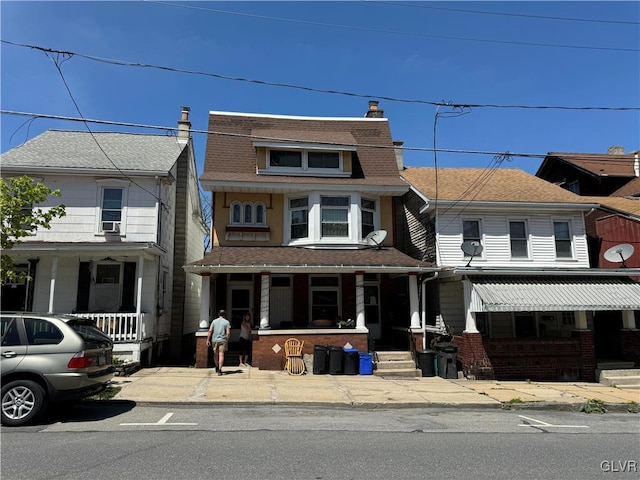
[50, 358]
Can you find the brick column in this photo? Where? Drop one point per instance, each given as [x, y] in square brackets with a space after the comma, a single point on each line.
[202, 351]
[587, 355]
[630, 345]
[473, 357]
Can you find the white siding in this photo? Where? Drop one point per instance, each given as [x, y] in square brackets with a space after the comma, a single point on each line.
[452, 305]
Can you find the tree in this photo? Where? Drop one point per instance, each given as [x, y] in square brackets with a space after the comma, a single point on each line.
[19, 197]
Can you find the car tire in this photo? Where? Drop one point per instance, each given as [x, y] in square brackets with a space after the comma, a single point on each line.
[22, 402]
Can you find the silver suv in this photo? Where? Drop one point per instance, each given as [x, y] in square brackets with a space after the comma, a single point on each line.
[49, 358]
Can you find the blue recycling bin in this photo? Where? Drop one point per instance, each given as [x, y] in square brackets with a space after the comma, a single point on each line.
[366, 363]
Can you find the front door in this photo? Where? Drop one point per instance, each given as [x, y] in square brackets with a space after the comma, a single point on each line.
[372, 311]
[239, 303]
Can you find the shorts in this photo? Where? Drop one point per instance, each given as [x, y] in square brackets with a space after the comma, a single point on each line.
[219, 347]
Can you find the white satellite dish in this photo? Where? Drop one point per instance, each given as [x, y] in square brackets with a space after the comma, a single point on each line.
[375, 238]
[619, 253]
[473, 248]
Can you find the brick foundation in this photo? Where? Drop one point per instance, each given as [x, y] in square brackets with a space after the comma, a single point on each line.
[630, 345]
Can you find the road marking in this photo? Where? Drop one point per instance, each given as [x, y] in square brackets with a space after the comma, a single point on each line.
[540, 423]
[162, 421]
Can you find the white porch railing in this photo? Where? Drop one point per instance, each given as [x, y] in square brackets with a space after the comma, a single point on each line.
[120, 327]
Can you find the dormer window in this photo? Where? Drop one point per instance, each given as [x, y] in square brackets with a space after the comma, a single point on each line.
[304, 159]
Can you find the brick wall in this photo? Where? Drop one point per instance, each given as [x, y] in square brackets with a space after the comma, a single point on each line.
[630, 343]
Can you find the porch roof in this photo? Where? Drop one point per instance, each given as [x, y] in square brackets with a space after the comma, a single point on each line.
[506, 294]
[306, 260]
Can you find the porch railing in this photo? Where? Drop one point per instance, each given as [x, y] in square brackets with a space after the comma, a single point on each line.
[120, 327]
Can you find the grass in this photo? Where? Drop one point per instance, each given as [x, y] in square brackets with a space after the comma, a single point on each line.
[593, 405]
[107, 394]
[633, 407]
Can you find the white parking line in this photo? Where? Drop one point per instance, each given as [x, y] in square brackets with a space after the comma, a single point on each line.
[162, 421]
[540, 423]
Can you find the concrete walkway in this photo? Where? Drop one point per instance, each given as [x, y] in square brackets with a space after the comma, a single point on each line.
[249, 386]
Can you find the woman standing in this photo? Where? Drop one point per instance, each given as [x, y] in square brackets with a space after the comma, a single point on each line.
[245, 340]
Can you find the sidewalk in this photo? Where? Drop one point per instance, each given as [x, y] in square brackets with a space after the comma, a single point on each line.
[250, 386]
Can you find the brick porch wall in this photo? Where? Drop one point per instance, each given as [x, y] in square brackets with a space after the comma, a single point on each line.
[630, 345]
[472, 357]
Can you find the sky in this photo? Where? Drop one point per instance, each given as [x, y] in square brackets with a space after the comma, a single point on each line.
[410, 56]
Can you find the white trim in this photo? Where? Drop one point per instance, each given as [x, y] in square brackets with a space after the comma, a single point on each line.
[294, 117]
[292, 188]
[292, 144]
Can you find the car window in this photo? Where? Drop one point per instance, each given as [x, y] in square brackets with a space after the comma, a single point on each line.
[9, 331]
[42, 332]
[88, 330]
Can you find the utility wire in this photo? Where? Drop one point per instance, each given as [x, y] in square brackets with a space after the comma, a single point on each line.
[310, 89]
[622, 159]
[484, 12]
[395, 32]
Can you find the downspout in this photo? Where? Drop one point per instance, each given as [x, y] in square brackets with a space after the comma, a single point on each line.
[424, 309]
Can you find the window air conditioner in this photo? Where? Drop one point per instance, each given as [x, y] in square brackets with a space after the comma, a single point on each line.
[110, 227]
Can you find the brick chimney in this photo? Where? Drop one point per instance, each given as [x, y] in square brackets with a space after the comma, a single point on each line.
[373, 110]
[184, 125]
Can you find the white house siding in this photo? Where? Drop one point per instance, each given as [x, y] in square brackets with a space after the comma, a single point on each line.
[452, 305]
[496, 242]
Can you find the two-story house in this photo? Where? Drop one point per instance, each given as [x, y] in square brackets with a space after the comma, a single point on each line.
[133, 219]
[515, 281]
[303, 232]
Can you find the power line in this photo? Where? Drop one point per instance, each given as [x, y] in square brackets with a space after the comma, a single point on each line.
[484, 12]
[622, 159]
[111, 61]
[395, 32]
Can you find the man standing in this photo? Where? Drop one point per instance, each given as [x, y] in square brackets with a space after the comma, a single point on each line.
[219, 333]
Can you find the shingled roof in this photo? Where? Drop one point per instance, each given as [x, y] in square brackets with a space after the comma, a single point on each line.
[599, 164]
[72, 150]
[230, 156]
[482, 185]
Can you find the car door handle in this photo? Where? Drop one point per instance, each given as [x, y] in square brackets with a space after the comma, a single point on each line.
[10, 354]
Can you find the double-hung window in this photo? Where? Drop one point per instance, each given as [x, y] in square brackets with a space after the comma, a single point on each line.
[562, 235]
[299, 214]
[111, 217]
[471, 232]
[518, 238]
[368, 210]
[335, 216]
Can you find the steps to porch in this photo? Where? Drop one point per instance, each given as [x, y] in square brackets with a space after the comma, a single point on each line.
[395, 364]
[618, 374]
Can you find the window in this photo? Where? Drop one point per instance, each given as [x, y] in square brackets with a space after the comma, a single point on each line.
[111, 212]
[112, 205]
[324, 160]
[368, 209]
[573, 186]
[525, 324]
[471, 231]
[302, 161]
[9, 332]
[247, 213]
[518, 235]
[42, 332]
[107, 274]
[299, 208]
[325, 296]
[562, 235]
[285, 158]
[334, 216]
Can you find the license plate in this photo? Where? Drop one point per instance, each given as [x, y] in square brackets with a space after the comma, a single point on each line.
[102, 359]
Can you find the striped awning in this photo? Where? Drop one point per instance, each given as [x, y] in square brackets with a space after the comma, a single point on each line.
[545, 294]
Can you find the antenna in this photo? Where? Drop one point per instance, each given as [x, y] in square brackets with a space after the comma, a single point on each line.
[619, 253]
[471, 248]
[375, 238]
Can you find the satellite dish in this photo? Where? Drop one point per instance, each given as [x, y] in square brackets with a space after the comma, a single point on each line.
[472, 248]
[619, 253]
[375, 238]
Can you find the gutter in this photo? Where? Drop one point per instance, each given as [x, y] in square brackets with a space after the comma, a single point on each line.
[551, 272]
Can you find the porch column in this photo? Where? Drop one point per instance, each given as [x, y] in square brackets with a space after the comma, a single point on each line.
[52, 285]
[628, 320]
[413, 300]
[205, 300]
[470, 325]
[264, 299]
[139, 292]
[581, 320]
[360, 320]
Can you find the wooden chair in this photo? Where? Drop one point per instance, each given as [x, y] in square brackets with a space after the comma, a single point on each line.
[293, 353]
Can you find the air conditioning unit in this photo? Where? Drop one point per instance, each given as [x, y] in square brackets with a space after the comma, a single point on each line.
[111, 227]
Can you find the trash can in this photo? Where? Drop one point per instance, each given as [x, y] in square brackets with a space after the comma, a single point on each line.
[336, 359]
[447, 360]
[351, 361]
[366, 363]
[426, 362]
[320, 359]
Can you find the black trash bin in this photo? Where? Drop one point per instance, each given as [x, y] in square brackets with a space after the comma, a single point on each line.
[336, 360]
[447, 360]
[320, 359]
[351, 361]
[426, 362]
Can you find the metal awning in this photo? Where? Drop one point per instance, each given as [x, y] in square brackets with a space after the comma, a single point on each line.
[544, 294]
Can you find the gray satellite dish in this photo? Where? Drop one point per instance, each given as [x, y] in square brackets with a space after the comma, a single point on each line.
[375, 238]
[472, 248]
[619, 253]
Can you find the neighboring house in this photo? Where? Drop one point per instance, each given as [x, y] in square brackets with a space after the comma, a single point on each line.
[299, 204]
[133, 218]
[521, 297]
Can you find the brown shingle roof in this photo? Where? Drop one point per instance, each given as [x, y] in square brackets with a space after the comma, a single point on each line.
[233, 158]
[630, 188]
[612, 165]
[483, 185]
[305, 259]
[621, 204]
[305, 136]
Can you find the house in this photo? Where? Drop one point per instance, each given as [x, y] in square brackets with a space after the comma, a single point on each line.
[303, 233]
[515, 281]
[133, 218]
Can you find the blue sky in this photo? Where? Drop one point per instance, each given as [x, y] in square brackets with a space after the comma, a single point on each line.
[377, 49]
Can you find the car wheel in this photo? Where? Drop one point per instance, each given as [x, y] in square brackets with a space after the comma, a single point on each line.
[22, 402]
